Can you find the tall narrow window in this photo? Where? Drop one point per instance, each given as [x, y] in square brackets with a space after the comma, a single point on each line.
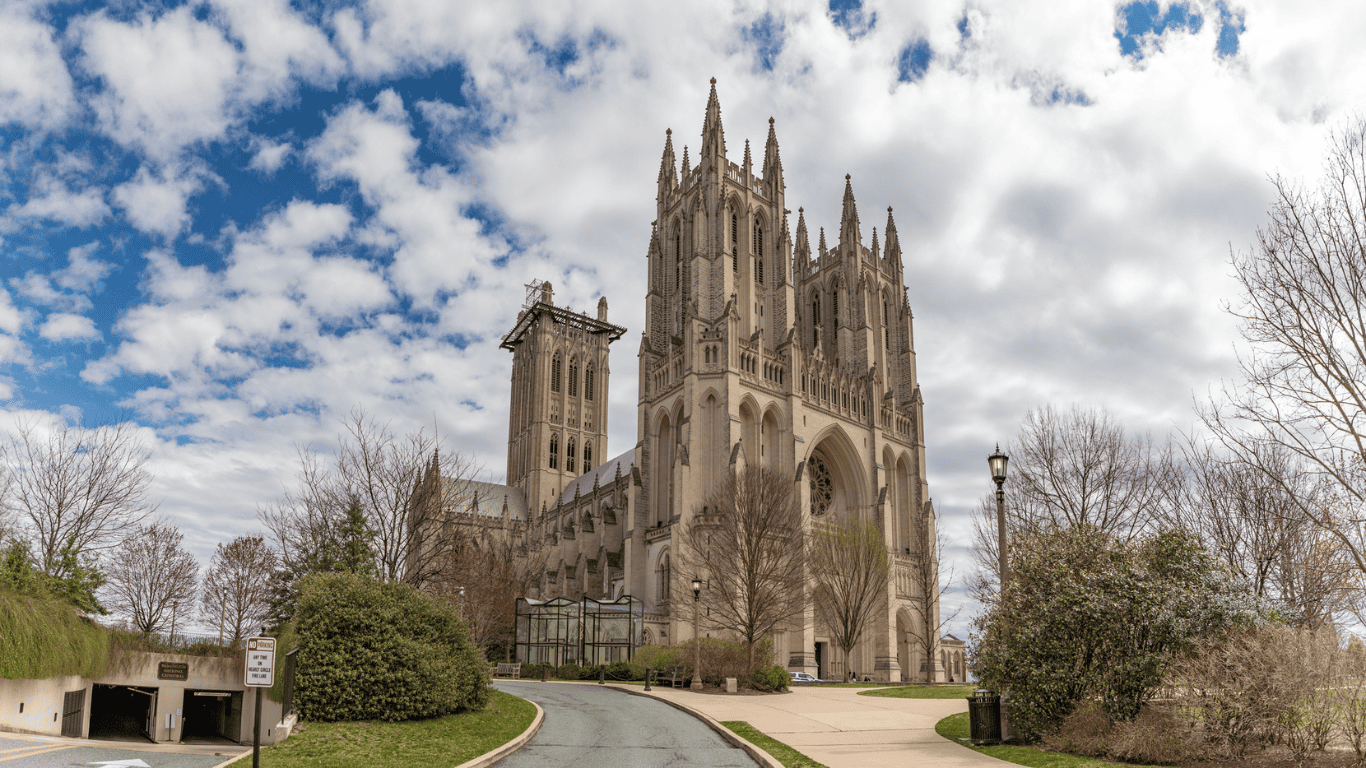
[759, 270]
[886, 327]
[555, 374]
[587, 455]
[734, 243]
[835, 304]
[554, 451]
[588, 382]
[574, 378]
[758, 251]
[816, 310]
[569, 458]
[664, 578]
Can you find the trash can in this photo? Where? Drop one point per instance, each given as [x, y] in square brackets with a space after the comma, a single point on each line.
[984, 717]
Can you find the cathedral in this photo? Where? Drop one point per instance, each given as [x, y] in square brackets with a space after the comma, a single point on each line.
[763, 345]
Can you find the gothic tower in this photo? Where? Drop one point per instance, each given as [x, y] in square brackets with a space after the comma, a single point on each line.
[557, 426]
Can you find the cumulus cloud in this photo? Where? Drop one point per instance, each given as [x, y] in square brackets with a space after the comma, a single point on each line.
[52, 199]
[60, 326]
[158, 203]
[268, 155]
[35, 86]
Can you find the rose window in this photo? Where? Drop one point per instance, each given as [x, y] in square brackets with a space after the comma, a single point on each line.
[822, 490]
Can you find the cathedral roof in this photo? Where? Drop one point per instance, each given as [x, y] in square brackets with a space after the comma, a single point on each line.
[602, 475]
[486, 499]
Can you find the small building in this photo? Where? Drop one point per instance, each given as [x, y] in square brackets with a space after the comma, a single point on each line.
[158, 696]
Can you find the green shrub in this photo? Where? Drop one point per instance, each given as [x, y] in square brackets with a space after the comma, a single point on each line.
[569, 671]
[372, 651]
[654, 657]
[619, 670]
[726, 658]
[771, 678]
[589, 672]
[42, 637]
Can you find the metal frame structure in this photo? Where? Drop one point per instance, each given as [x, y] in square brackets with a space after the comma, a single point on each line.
[586, 631]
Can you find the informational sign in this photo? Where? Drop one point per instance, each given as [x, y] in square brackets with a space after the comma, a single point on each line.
[173, 670]
[260, 662]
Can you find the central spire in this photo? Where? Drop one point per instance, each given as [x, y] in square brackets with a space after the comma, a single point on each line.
[713, 136]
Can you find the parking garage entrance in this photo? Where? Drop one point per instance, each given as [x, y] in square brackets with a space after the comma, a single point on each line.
[123, 712]
[211, 717]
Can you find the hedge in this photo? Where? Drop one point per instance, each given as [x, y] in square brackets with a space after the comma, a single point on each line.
[372, 651]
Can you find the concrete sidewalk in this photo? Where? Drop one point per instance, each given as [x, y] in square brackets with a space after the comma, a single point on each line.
[838, 727]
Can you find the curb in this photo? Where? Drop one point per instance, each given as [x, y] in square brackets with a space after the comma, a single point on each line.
[493, 756]
[232, 760]
[761, 757]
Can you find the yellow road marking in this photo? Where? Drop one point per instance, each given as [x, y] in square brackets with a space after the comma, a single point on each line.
[39, 750]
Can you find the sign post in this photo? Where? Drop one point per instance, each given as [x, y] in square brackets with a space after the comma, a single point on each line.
[260, 673]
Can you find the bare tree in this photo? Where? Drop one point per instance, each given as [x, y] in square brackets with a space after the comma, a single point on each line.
[1303, 314]
[929, 583]
[236, 593]
[404, 486]
[77, 488]
[850, 565]
[1072, 468]
[152, 579]
[1255, 527]
[748, 544]
[487, 573]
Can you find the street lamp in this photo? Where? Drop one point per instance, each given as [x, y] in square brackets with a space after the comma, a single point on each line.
[998, 461]
[696, 634]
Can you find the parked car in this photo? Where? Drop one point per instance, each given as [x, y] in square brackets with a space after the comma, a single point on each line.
[803, 677]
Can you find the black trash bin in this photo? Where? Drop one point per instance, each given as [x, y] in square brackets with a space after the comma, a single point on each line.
[984, 717]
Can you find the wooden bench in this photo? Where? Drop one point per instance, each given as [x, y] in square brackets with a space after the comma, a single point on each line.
[676, 677]
[513, 670]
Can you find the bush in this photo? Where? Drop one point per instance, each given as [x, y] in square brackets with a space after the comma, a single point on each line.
[1087, 616]
[771, 678]
[619, 670]
[1156, 736]
[1085, 732]
[569, 671]
[655, 657]
[372, 651]
[725, 658]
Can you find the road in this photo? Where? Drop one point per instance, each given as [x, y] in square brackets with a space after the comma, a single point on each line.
[604, 728]
[18, 751]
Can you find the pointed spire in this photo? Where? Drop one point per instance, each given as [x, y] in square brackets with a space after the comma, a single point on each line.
[801, 250]
[687, 167]
[874, 246]
[773, 166]
[668, 179]
[821, 249]
[893, 243]
[713, 136]
[748, 162]
[849, 233]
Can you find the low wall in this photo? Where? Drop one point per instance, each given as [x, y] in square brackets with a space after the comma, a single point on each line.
[35, 706]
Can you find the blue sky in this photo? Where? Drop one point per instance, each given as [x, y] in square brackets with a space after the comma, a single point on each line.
[231, 221]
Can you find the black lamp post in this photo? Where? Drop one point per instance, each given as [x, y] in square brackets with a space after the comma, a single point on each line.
[696, 634]
[998, 461]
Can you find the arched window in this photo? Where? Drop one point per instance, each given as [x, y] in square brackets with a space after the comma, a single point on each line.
[886, 327]
[734, 243]
[569, 457]
[835, 304]
[587, 455]
[664, 577]
[816, 309]
[574, 378]
[555, 374]
[588, 382]
[758, 252]
[554, 451]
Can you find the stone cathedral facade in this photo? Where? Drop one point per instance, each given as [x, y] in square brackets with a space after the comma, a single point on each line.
[764, 344]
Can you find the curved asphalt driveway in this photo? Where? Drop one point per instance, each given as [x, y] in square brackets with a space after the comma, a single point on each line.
[606, 728]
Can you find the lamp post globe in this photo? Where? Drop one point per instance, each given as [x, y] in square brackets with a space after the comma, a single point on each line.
[998, 461]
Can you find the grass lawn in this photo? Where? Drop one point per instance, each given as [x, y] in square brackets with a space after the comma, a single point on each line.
[955, 728]
[780, 751]
[449, 740]
[922, 691]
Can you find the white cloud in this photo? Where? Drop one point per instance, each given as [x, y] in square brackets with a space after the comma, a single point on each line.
[51, 199]
[35, 86]
[11, 317]
[269, 155]
[63, 327]
[83, 273]
[158, 204]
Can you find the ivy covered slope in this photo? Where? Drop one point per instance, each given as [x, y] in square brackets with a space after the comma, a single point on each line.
[43, 628]
[373, 651]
